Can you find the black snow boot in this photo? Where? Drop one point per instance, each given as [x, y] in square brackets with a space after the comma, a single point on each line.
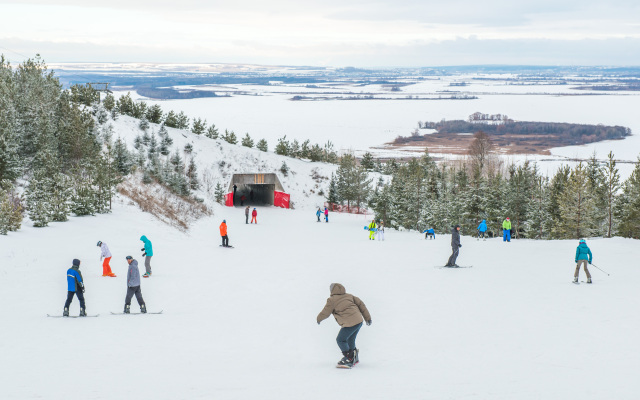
[143, 308]
[83, 313]
[65, 313]
[347, 360]
[589, 280]
[127, 309]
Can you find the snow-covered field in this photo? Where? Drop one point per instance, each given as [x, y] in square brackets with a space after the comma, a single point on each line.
[240, 323]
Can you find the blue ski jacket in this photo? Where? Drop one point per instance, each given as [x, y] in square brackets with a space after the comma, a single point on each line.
[483, 226]
[148, 248]
[74, 277]
[583, 253]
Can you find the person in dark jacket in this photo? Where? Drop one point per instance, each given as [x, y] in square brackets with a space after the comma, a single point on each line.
[133, 287]
[583, 256]
[75, 286]
[348, 310]
[246, 215]
[455, 246]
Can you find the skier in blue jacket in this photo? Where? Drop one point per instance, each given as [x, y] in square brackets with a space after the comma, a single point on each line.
[75, 286]
[482, 229]
[429, 233]
[148, 253]
[583, 256]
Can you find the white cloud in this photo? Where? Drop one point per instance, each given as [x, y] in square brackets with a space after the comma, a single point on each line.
[300, 33]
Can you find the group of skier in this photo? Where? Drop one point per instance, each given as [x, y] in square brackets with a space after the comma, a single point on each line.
[75, 281]
[376, 230]
[506, 230]
[325, 212]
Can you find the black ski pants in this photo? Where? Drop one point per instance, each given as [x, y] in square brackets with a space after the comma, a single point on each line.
[225, 240]
[130, 292]
[70, 298]
[454, 255]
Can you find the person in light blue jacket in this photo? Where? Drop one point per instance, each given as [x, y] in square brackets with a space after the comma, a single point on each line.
[583, 256]
[147, 254]
[482, 229]
[75, 286]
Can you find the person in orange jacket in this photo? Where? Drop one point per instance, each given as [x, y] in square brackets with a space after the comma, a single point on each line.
[223, 233]
[254, 215]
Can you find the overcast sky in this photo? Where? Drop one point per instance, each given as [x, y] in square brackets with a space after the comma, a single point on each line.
[375, 33]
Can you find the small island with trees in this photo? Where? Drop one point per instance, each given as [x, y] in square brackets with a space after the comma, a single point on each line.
[508, 136]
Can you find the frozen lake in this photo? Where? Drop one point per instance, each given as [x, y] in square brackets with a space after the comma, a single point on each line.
[267, 112]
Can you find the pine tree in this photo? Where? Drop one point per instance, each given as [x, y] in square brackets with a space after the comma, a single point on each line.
[612, 186]
[284, 168]
[262, 145]
[212, 132]
[154, 114]
[192, 175]
[247, 141]
[219, 193]
[367, 161]
[182, 121]
[199, 126]
[143, 124]
[294, 149]
[628, 205]
[282, 148]
[171, 120]
[332, 195]
[577, 206]
[229, 137]
[316, 153]
[121, 157]
[109, 102]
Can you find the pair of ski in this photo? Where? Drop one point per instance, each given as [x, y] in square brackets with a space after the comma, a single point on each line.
[96, 315]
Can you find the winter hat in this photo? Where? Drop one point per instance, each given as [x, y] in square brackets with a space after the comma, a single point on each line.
[76, 262]
[224, 220]
[129, 258]
[457, 226]
[507, 218]
[583, 241]
[99, 243]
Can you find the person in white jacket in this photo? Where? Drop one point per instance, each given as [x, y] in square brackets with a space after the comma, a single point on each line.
[106, 254]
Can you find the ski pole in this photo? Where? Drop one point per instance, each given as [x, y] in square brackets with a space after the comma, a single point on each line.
[600, 269]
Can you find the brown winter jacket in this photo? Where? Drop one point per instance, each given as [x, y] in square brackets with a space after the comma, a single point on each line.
[347, 309]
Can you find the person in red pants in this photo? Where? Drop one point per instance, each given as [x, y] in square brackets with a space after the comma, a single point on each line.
[106, 254]
[254, 216]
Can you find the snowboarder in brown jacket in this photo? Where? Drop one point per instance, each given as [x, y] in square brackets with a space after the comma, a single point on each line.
[348, 310]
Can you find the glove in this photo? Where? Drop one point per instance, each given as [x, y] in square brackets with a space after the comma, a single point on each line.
[142, 249]
[144, 254]
[459, 245]
[576, 261]
[318, 323]
[369, 323]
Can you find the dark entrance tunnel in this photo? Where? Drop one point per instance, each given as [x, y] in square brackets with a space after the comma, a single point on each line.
[257, 194]
[260, 189]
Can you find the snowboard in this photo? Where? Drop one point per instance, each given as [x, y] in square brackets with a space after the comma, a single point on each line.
[136, 313]
[71, 316]
[462, 266]
[344, 366]
[227, 247]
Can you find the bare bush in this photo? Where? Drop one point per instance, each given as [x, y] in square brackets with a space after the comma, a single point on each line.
[160, 202]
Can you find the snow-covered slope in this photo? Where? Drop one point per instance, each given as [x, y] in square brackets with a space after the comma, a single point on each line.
[240, 323]
[218, 160]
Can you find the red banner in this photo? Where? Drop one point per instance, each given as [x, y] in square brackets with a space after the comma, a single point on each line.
[228, 199]
[281, 199]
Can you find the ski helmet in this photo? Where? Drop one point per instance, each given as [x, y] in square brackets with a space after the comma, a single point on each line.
[99, 243]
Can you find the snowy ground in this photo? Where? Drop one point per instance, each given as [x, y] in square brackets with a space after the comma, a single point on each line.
[240, 323]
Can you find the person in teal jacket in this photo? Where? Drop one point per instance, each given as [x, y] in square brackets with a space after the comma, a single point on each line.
[583, 256]
[147, 253]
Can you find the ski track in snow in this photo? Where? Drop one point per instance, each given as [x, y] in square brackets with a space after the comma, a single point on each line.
[241, 324]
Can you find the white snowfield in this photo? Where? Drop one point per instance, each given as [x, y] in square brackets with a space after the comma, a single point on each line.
[241, 323]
